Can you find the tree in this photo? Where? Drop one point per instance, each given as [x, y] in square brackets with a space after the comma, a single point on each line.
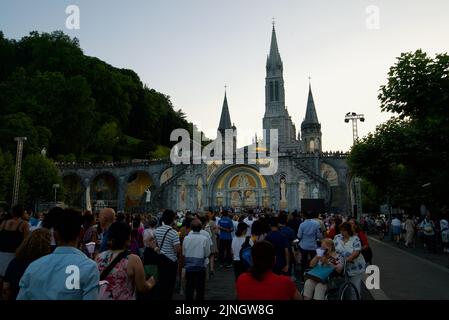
[39, 175]
[107, 138]
[70, 103]
[6, 177]
[19, 125]
[411, 150]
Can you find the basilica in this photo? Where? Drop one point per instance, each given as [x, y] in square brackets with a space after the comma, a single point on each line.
[307, 178]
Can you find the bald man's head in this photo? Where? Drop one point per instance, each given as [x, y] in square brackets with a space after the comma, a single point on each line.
[106, 217]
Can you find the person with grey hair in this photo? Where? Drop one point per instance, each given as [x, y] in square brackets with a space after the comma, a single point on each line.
[148, 234]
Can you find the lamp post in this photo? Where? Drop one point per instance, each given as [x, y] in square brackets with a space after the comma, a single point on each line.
[354, 117]
[55, 186]
[15, 192]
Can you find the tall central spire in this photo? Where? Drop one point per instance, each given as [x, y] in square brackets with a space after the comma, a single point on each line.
[274, 60]
[276, 115]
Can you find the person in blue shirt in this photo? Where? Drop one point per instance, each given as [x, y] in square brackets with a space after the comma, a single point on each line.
[67, 273]
[309, 233]
[226, 227]
[290, 235]
[281, 247]
[285, 229]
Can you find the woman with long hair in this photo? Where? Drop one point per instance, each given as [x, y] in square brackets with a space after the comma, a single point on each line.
[35, 245]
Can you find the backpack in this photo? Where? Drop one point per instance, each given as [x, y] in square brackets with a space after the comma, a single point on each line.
[245, 253]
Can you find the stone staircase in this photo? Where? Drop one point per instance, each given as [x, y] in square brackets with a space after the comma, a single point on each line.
[299, 165]
[157, 195]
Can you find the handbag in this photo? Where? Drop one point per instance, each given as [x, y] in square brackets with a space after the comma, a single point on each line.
[162, 259]
[103, 295]
[150, 257]
[320, 273]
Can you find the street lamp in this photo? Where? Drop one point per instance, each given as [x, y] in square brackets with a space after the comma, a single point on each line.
[55, 186]
[15, 192]
[354, 117]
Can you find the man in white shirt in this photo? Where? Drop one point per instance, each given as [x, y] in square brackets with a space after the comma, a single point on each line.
[196, 250]
[209, 241]
[249, 220]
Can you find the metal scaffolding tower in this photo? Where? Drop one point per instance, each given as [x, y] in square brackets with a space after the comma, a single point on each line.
[354, 117]
[15, 192]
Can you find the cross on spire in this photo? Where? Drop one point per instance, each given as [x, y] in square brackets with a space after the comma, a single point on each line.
[274, 22]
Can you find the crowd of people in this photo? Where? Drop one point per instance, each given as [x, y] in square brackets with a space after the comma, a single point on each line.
[430, 231]
[147, 256]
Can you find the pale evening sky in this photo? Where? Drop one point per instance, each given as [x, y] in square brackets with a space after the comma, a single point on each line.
[189, 49]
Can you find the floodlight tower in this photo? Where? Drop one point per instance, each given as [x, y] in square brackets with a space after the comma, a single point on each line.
[354, 117]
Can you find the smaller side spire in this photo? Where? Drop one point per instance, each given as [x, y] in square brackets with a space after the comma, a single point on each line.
[225, 119]
[311, 115]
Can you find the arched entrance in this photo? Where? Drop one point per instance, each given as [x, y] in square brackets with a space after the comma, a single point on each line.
[103, 192]
[138, 193]
[240, 187]
[73, 191]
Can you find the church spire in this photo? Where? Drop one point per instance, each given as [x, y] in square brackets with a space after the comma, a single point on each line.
[274, 60]
[225, 119]
[311, 115]
[310, 127]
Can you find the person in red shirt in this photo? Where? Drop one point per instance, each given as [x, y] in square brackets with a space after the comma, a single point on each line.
[333, 230]
[366, 250]
[261, 283]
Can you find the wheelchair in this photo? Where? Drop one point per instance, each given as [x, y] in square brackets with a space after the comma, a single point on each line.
[339, 287]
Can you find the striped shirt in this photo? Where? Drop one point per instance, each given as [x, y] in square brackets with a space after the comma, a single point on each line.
[171, 240]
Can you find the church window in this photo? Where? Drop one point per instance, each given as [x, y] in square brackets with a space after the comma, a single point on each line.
[276, 91]
[271, 91]
[312, 145]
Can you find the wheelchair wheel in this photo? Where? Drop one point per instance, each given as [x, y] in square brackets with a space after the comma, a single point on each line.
[349, 292]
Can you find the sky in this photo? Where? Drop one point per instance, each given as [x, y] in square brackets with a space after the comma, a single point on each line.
[191, 49]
